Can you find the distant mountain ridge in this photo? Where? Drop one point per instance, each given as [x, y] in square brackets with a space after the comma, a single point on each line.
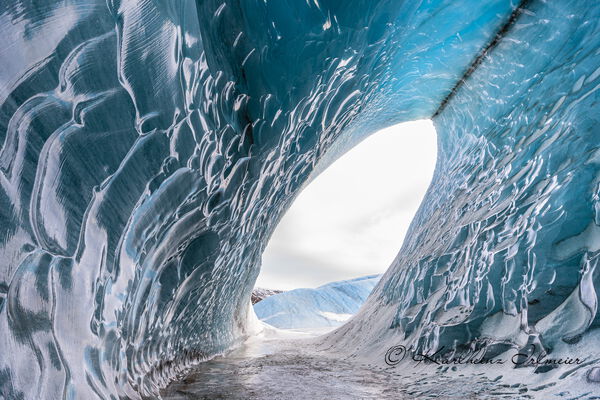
[259, 294]
[327, 305]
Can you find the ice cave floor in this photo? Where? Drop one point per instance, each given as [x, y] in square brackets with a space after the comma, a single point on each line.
[285, 364]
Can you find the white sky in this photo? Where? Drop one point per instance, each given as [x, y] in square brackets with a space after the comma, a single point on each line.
[351, 220]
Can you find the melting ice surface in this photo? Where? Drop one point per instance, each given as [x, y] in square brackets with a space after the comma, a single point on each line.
[149, 148]
[328, 305]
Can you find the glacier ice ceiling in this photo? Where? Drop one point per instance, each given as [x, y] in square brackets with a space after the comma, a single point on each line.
[149, 148]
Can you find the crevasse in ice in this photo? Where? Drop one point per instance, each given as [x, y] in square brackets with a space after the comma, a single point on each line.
[149, 148]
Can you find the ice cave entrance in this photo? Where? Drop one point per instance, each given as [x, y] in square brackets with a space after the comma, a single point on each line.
[348, 222]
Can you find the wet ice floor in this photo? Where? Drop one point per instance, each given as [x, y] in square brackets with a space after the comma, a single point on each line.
[286, 366]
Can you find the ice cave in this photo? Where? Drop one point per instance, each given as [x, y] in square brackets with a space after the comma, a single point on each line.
[148, 149]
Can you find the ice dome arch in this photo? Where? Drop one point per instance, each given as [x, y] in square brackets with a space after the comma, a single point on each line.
[149, 148]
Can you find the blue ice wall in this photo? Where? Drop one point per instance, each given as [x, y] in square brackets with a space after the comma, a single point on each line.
[504, 248]
[150, 147]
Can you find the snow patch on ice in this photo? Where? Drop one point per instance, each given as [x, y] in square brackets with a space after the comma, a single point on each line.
[335, 317]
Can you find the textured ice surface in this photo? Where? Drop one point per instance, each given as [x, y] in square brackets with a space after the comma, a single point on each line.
[328, 305]
[285, 365]
[505, 245]
[149, 148]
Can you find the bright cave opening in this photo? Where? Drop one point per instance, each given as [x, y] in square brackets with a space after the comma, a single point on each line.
[348, 223]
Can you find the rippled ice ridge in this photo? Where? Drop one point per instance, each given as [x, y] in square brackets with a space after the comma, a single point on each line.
[149, 148]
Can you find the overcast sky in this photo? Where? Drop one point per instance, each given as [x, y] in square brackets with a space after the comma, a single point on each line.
[351, 220]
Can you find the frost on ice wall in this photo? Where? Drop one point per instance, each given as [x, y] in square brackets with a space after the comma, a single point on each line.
[149, 148]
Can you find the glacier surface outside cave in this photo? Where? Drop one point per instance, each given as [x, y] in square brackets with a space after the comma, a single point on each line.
[149, 148]
[325, 306]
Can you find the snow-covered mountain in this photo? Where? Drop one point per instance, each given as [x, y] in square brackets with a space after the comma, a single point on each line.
[328, 305]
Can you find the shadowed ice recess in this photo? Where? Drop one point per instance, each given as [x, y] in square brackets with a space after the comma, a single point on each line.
[150, 147]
